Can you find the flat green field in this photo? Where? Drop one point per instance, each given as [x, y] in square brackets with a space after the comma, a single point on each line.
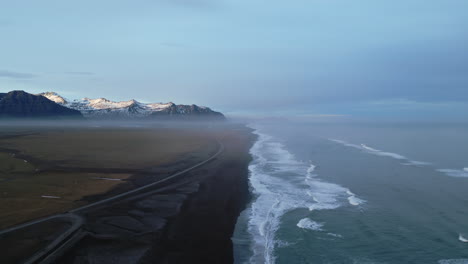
[46, 171]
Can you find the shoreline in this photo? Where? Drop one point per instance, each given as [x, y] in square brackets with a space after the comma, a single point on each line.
[202, 232]
[191, 220]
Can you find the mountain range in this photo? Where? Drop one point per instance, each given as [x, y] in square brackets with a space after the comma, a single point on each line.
[50, 104]
[19, 104]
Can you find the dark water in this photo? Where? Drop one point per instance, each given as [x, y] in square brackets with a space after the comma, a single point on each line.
[357, 193]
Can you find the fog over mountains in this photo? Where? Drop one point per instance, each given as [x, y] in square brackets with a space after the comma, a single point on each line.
[17, 104]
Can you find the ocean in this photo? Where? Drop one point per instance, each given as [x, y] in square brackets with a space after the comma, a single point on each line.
[356, 193]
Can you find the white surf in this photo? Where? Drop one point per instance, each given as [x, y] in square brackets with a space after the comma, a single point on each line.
[280, 184]
[462, 238]
[306, 223]
[370, 150]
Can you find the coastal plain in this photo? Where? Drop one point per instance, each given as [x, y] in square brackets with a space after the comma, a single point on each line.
[48, 170]
[56, 170]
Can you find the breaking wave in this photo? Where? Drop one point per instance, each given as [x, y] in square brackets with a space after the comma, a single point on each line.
[306, 223]
[280, 184]
[353, 200]
[453, 261]
[462, 238]
[310, 171]
[377, 152]
[450, 172]
[455, 173]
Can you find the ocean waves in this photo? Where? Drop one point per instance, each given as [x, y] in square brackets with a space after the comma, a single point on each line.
[282, 183]
[453, 261]
[377, 152]
[462, 238]
[455, 172]
[405, 161]
[306, 223]
[353, 199]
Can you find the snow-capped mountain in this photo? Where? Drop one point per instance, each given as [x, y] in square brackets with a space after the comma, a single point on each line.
[103, 108]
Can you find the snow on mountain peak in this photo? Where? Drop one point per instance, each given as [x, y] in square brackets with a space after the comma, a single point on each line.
[102, 107]
[54, 97]
[102, 103]
[157, 106]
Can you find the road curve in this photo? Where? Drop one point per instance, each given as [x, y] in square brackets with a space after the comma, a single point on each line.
[78, 220]
[125, 194]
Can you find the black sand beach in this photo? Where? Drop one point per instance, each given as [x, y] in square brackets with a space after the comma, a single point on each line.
[188, 220]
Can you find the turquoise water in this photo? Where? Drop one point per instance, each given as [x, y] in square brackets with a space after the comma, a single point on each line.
[356, 193]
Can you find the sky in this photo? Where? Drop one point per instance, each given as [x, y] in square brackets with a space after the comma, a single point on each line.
[399, 59]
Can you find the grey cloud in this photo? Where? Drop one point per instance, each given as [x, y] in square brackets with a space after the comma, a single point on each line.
[16, 75]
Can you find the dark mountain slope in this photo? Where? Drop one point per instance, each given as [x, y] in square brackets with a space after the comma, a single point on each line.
[189, 111]
[19, 104]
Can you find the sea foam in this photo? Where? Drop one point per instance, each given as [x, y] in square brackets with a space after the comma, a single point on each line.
[370, 150]
[274, 195]
[310, 171]
[455, 172]
[450, 172]
[353, 200]
[462, 238]
[335, 235]
[280, 184]
[306, 223]
[417, 163]
[453, 261]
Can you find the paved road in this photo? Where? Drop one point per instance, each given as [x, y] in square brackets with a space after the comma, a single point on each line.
[77, 223]
[78, 220]
[148, 186]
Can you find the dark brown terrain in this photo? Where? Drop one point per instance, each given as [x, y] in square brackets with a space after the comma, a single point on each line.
[187, 219]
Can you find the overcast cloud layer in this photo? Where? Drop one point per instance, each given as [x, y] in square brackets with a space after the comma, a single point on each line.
[362, 58]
